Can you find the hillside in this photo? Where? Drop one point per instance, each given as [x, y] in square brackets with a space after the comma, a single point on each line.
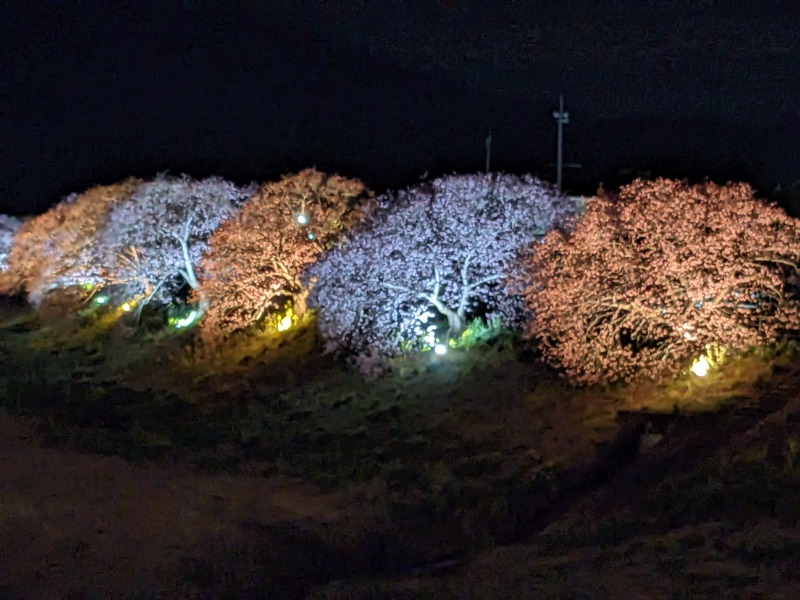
[133, 466]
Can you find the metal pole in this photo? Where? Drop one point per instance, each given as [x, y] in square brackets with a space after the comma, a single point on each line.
[562, 118]
[560, 157]
[488, 145]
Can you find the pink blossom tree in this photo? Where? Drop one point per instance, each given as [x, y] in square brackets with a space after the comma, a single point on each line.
[446, 247]
[59, 249]
[648, 278]
[255, 260]
[153, 241]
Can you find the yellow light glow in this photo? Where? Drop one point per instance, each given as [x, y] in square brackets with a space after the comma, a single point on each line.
[126, 307]
[285, 323]
[701, 366]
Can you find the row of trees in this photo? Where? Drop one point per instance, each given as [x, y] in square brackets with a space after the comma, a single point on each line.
[634, 285]
[142, 237]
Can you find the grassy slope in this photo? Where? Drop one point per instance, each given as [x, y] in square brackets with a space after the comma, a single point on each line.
[712, 511]
[444, 458]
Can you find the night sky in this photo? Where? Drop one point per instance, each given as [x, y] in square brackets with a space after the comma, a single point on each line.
[93, 92]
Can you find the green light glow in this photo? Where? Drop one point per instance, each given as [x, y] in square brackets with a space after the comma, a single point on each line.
[101, 299]
[187, 320]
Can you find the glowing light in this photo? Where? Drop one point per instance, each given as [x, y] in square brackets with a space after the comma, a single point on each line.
[701, 366]
[87, 286]
[100, 299]
[311, 236]
[126, 307]
[285, 323]
[187, 320]
[302, 218]
[440, 349]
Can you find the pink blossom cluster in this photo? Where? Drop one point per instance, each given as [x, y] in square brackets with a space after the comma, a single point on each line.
[255, 260]
[648, 277]
[61, 247]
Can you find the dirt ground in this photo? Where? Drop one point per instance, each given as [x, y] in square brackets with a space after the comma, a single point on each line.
[82, 526]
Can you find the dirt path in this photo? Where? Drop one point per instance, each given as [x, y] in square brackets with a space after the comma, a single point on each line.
[84, 526]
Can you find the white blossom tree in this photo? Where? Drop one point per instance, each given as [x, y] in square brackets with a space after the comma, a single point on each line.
[8, 227]
[9, 279]
[448, 245]
[155, 239]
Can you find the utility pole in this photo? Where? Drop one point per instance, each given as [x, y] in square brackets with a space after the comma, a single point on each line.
[488, 145]
[562, 118]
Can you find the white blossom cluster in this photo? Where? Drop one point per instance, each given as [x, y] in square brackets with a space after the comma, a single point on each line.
[448, 246]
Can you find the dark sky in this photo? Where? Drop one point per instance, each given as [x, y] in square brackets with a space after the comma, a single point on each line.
[385, 90]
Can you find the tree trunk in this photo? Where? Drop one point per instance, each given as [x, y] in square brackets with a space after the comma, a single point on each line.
[202, 305]
[188, 272]
[455, 325]
[455, 322]
[300, 304]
